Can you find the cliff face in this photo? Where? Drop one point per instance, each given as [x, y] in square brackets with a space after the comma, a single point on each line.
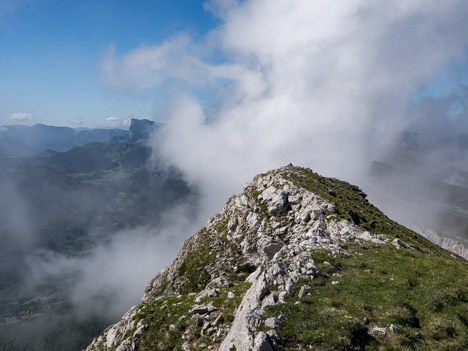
[438, 205]
[300, 261]
[141, 128]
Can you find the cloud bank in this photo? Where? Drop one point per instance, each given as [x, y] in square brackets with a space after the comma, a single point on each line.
[316, 83]
[113, 276]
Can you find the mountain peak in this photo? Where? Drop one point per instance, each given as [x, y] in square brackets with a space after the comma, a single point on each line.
[299, 261]
[142, 128]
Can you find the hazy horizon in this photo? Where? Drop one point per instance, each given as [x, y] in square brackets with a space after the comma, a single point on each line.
[242, 87]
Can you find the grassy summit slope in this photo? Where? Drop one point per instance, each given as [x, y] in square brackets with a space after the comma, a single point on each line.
[332, 272]
[422, 291]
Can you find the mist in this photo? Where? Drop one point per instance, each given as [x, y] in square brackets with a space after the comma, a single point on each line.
[112, 277]
[83, 238]
[320, 84]
[332, 86]
[317, 84]
[314, 83]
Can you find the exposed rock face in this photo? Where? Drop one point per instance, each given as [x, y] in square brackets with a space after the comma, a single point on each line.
[114, 335]
[270, 230]
[455, 246]
[141, 128]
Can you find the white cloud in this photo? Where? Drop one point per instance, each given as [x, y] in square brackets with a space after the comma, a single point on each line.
[20, 116]
[148, 66]
[319, 83]
[125, 122]
[76, 121]
[111, 119]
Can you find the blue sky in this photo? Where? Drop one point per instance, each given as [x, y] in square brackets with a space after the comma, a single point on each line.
[50, 52]
[51, 55]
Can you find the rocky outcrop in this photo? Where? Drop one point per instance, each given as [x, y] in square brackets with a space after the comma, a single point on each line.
[142, 128]
[459, 247]
[271, 231]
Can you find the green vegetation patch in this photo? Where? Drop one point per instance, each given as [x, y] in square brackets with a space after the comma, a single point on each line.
[199, 255]
[203, 250]
[159, 315]
[424, 296]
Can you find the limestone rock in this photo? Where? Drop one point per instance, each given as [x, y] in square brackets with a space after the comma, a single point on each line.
[202, 309]
[272, 323]
[303, 290]
[262, 343]
[268, 231]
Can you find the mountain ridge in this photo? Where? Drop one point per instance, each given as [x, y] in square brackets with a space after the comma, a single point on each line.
[443, 206]
[67, 205]
[20, 140]
[300, 261]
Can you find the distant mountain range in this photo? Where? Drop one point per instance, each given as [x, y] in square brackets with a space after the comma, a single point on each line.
[67, 199]
[18, 140]
[25, 141]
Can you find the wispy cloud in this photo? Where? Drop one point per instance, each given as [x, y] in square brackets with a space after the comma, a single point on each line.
[147, 67]
[7, 7]
[20, 116]
[313, 82]
[111, 119]
[320, 83]
[76, 121]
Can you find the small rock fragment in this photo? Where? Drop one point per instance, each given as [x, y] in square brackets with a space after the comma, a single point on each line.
[262, 343]
[303, 290]
[272, 323]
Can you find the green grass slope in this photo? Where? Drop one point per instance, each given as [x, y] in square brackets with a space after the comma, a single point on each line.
[407, 296]
[422, 292]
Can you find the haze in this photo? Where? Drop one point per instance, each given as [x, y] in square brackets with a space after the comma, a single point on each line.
[323, 84]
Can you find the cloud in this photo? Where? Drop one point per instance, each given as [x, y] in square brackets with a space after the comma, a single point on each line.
[113, 276]
[147, 67]
[20, 116]
[323, 84]
[315, 83]
[76, 121]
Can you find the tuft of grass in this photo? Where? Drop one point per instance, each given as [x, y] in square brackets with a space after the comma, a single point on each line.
[202, 251]
[193, 268]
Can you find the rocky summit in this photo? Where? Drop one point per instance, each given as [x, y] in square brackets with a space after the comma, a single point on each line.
[299, 261]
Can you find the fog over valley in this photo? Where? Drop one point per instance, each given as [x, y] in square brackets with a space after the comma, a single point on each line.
[371, 93]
